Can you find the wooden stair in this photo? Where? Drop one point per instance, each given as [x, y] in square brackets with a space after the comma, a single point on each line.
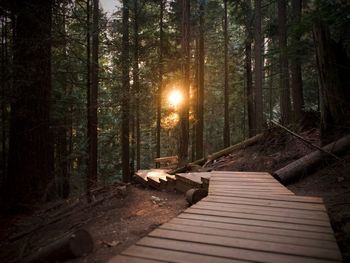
[182, 182]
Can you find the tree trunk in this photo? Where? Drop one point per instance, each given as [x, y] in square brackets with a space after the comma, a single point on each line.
[125, 105]
[312, 161]
[258, 68]
[137, 85]
[184, 109]
[200, 90]
[160, 87]
[333, 64]
[31, 145]
[226, 88]
[73, 245]
[283, 58]
[297, 81]
[92, 129]
[248, 73]
[4, 81]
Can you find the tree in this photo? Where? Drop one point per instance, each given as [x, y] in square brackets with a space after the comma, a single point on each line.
[226, 88]
[92, 105]
[184, 109]
[283, 59]
[125, 105]
[31, 151]
[297, 81]
[200, 90]
[160, 76]
[333, 63]
[136, 84]
[258, 85]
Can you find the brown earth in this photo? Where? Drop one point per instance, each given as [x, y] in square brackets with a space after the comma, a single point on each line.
[115, 224]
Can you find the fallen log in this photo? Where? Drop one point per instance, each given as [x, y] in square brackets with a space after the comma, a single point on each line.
[216, 155]
[73, 245]
[310, 162]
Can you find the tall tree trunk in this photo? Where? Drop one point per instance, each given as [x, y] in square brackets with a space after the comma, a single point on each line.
[226, 88]
[31, 145]
[333, 67]
[125, 105]
[297, 81]
[4, 81]
[200, 90]
[248, 71]
[160, 87]
[64, 147]
[92, 110]
[184, 109]
[259, 119]
[195, 98]
[137, 85]
[283, 58]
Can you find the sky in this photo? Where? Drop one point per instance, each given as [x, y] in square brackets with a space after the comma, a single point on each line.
[109, 6]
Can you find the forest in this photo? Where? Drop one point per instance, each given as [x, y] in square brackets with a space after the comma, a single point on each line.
[90, 96]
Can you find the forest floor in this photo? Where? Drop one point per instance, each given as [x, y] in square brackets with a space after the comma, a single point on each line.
[120, 221]
[114, 224]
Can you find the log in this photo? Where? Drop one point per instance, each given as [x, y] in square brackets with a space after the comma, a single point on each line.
[310, 162]
[73, 245]
[194, 195]
[219, 154]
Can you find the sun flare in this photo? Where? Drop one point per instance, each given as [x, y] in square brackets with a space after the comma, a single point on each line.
[175, 98]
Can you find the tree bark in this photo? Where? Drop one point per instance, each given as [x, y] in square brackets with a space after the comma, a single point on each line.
[258, 68]
[31, 145]
[284, 73]
[125, 105]
[226, 88]
[297, 80]
[200, 90]
[184, 109]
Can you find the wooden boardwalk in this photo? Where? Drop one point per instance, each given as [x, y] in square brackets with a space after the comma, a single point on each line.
[246, 217]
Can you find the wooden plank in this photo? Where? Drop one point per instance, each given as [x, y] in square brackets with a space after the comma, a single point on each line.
[131, 259]
[321, 216]
[271, 218]
[226, 252]
[266, 202]
[302, 199]
[167, 254]
[216, 194]
[251, 235]
[249, 183]
[256, 223]
[248, 186]
[314, 252]
[255, 229]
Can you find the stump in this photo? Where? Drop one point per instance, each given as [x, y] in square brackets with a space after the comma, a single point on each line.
[194, 195]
